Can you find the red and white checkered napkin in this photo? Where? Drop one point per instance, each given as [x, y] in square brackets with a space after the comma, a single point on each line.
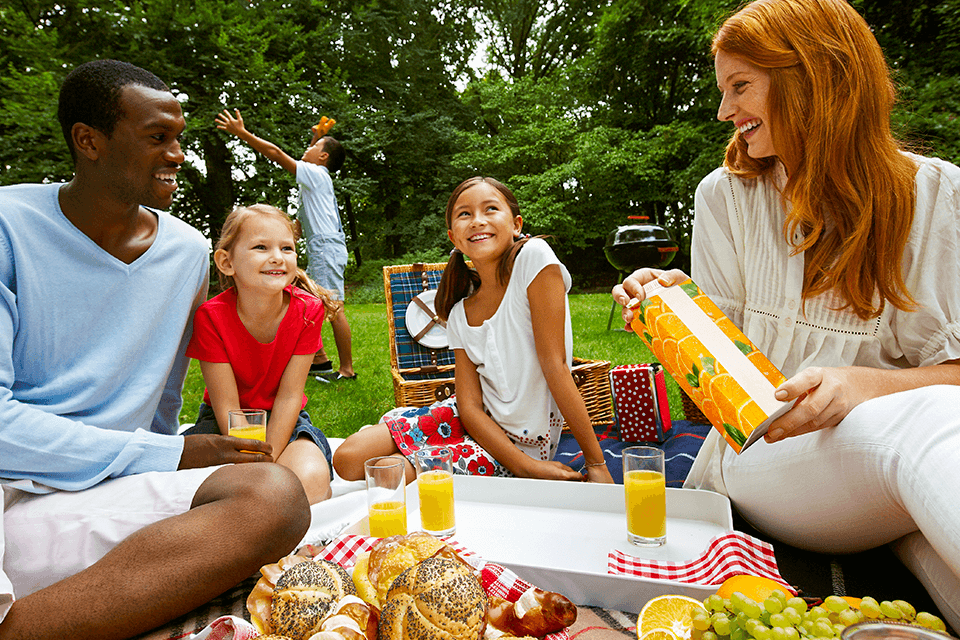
[496, 580]
[726, 555]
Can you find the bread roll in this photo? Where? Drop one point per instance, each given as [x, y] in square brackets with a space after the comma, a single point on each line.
[437, 599]
[305, 594]
[374, 573]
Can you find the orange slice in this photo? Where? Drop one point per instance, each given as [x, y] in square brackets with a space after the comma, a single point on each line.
[658, 634]
[671, 613]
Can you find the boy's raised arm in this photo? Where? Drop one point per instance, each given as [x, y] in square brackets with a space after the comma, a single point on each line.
[234, 125]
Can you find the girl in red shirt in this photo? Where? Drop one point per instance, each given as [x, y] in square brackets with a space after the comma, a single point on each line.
[256, 341]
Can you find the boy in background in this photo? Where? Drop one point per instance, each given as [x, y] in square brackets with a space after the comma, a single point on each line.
[319, 217]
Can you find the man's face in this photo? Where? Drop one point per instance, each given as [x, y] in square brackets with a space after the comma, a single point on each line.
[142, 157]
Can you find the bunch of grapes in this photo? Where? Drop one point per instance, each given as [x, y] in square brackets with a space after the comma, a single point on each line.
[782, 618]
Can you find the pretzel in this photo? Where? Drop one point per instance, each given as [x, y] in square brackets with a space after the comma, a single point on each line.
[536, 613]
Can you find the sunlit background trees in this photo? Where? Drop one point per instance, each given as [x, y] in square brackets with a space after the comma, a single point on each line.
[590, 110]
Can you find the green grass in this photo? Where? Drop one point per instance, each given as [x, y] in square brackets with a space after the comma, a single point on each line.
[341, 408]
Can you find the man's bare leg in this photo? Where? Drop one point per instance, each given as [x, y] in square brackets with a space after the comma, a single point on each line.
[242, 517]
[342, 337]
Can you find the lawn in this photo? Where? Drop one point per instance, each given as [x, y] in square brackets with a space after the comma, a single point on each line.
[341, 408]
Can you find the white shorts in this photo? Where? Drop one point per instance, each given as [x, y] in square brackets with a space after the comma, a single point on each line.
[49, 537]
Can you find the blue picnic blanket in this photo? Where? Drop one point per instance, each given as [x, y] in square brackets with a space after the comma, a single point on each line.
[679, 449]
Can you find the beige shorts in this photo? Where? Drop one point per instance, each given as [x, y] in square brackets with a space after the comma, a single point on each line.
[52, 536]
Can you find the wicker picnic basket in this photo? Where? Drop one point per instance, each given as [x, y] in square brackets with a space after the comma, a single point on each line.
[691, 411]
[422, 376]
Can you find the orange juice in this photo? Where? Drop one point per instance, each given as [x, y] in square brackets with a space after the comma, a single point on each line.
[388, 518]
[436, 502]
[646, 503]
[252, 432]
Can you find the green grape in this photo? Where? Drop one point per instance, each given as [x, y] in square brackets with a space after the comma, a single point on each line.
[793, 616]
[713, 603]
[909, 613]
[818, 612]
[701, 621]
[778, 633]
[737, 633]
[849, 617]
[778, 620]
[870, 608]
[721, 624]
[797, 604]
[930, 621]
[807, 627]
[761, 632]
[792, 634]
[890, 610]
[750, 608]
[835, 604]
[750, 624]
[736, 599]
[838, 628]
[709, 635]
[779, 595]
[823, 628]
[773, 605]
[765, 617]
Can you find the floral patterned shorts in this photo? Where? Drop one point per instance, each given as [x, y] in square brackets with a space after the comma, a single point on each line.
[415, 428]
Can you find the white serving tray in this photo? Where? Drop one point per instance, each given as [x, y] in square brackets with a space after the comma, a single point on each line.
[557, 535]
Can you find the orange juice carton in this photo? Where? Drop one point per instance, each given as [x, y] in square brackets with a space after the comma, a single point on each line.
[731, 381]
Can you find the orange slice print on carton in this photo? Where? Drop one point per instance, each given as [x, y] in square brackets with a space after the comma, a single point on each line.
[711, 360]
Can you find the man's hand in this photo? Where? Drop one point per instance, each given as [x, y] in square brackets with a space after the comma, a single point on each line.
[208, 450]
[230, 124]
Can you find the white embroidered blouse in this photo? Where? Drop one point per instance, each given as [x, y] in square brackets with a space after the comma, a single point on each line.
[741, 260]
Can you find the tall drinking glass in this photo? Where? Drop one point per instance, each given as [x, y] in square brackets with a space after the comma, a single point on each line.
[386, 496]
[435, 482]
[645, 492]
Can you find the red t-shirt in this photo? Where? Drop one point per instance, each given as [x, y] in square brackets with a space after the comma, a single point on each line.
[219, 336]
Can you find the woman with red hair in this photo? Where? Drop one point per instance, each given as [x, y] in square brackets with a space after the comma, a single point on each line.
[838, 254]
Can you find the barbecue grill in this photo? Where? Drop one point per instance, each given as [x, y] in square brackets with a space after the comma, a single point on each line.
[634, 246]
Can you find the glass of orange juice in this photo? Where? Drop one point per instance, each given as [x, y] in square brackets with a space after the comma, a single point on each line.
[435, 485]
[645, 493]
[386, 496]
[248, 423]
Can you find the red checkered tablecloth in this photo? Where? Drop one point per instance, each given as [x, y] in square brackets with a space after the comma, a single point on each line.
[726, 555]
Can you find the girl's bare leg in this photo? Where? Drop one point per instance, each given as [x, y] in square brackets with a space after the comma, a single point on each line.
[367, 443]
[305, 459]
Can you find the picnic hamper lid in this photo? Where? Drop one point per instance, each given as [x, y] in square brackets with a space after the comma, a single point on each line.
[431, 330]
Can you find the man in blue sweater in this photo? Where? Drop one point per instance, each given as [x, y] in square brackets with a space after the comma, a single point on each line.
[112, 523]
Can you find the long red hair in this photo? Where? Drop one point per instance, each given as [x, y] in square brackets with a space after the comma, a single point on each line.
[829, 105]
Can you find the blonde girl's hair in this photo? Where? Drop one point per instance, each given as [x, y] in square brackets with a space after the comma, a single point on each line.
[850, 185]
[231, 232]
[458, 279]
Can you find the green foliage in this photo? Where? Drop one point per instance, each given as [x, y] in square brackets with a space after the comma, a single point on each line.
[590, 112]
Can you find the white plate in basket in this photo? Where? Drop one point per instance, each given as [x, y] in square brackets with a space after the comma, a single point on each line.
[557, 535]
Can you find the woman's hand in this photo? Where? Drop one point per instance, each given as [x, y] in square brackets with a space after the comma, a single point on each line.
[630, 292]
[824, 396]
[600, 474]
